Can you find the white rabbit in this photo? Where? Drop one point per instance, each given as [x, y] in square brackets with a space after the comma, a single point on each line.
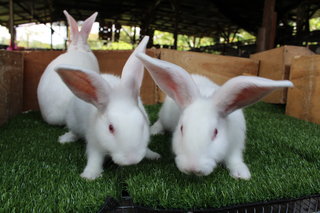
[53, 95]
[109, 114]
[209, 126]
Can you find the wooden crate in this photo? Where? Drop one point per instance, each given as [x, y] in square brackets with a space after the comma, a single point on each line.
[11, 84]
[216, 67]
[304, 99]
[275, 64]
[111, 62]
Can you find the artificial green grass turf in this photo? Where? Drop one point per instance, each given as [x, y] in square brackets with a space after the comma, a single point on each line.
[39, 174]
[282, 153]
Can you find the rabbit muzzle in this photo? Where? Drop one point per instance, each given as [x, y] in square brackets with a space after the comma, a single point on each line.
[127, 159]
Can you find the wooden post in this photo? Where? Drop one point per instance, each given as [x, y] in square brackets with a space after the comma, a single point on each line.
[175, 36]
[11, 25]
[267, 32]
[134, 37]
[176, 7]
[151, 34]
[67, 34]
[51, 34]
[147, 18]
[303, 28]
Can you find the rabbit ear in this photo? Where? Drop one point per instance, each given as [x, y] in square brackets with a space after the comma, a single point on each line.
[242, 91]
[86, 85]
[74, 32]
[87, 25]
[172, 79]
[132, 73]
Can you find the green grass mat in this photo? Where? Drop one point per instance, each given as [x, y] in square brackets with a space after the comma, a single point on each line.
[282, 153]
[39, 174]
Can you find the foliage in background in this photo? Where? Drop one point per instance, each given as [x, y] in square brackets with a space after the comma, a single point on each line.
[163, 38]
[125, 42]
[314, 24]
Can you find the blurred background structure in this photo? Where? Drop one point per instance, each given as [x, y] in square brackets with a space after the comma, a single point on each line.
[228, 27]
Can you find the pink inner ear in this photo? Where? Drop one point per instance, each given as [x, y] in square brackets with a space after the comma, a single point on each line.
[73, 25]
[87, 25]
[245, 97]
[172, 89]
[85, 30]
[169, 81]
[80, 84]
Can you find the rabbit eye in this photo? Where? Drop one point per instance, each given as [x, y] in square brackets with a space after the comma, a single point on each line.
[215, 133]
[111, 128]
[181, 129]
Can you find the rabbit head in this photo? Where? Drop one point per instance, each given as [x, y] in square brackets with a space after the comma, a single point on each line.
[202, 137]
[120, 126]
[78, 39]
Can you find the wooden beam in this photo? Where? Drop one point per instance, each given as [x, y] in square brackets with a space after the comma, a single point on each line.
[36, 17]
[233, 13]
[17, 13]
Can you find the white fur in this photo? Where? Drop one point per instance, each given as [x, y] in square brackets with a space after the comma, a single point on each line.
[199, 108]
[53, 95]
[127, 146]
[108, 100]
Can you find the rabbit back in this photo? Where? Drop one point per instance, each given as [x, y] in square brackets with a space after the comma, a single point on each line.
[53, 95]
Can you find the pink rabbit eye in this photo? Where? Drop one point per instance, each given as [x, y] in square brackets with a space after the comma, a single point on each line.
[111, 128]
[215, 133]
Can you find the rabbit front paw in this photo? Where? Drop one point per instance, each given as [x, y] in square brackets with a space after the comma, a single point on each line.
[151, 155]
[90, 175]
[241, 171]
[67, 138]
[156, 128]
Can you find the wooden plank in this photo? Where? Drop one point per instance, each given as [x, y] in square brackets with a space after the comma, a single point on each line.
[35, 63]
[11, 84]
[216, 67]
[111, 62]
[304, 98]
[275, 64]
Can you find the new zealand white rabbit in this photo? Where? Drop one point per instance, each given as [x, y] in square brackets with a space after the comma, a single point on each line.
[53, 95]
[209, 126]
[108, 112]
